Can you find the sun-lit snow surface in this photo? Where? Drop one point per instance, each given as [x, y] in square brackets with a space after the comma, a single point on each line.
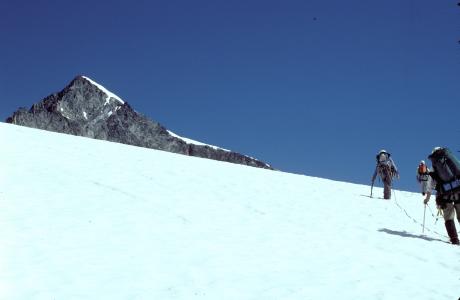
[87, 219]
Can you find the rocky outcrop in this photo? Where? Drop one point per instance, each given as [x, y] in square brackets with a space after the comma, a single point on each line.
[85, 108]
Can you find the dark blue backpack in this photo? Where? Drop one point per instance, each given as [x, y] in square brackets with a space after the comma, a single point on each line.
[446, 168]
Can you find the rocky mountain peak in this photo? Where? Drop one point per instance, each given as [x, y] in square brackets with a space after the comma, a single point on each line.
[88, 109]
[83, 100]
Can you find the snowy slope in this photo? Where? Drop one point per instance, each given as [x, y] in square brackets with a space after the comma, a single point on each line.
[87, 219]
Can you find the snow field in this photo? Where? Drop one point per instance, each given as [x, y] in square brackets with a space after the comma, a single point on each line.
[87, 219]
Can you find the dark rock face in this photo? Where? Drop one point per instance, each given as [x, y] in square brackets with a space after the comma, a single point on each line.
[87, 109]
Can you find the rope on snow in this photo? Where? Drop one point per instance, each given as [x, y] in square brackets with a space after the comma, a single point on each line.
[414, 220]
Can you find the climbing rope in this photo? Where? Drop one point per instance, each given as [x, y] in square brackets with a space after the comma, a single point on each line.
[417, 222]
[438, 216]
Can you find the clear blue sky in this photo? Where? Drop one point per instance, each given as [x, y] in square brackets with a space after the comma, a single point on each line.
[312, 87]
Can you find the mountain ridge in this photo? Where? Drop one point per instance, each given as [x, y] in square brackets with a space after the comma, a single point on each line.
[86, 108]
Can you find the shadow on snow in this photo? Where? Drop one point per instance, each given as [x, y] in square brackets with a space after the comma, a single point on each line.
[373, 197]
[409, 235]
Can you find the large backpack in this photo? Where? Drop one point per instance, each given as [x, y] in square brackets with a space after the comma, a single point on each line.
[385, 167]
[446, 168]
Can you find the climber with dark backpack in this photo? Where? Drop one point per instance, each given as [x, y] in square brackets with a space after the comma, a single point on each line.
[446, 182]
[386, 169]
[447, 170]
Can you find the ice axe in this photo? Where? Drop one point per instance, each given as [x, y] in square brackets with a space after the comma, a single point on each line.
[424, 211]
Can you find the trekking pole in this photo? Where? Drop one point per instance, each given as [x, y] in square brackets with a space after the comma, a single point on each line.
[424, 211]
[372, 186]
